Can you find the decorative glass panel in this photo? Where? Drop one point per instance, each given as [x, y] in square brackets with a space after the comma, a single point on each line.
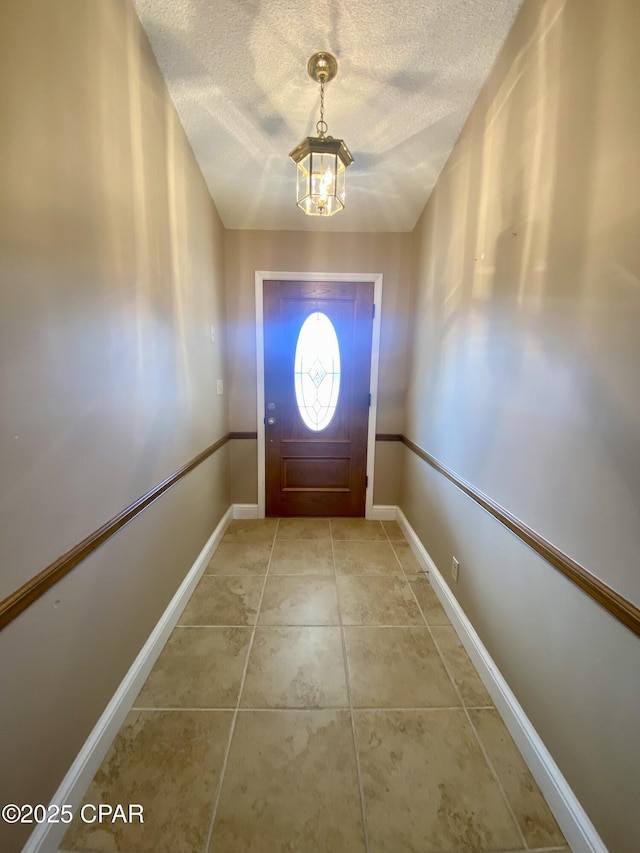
[317, 371]
[321, 184]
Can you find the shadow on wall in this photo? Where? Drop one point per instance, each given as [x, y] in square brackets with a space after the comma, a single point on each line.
[529, 278]
[598, 259]
[514, 174]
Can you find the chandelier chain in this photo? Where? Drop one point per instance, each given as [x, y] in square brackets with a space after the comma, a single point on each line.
[321, 126]
[321, 160]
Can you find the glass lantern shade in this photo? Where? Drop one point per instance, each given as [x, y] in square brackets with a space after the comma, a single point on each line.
[322, 165]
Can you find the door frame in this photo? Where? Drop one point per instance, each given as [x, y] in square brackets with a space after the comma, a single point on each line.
[376, 278]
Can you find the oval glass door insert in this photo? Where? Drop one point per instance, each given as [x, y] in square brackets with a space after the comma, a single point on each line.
[317, 371]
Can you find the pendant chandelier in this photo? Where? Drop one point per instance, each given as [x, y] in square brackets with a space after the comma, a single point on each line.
[321, 160]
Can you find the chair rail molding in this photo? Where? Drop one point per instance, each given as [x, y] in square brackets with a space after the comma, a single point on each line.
[13, 605]
[617, 605]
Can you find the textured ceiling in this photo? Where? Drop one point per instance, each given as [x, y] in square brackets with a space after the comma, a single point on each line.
[409, 72]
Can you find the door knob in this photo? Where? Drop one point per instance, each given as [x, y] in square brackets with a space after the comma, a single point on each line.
[271, 421]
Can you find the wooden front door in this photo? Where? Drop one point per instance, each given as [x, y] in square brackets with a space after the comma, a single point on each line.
[317, 356]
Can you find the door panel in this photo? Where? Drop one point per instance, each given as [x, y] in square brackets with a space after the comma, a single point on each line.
[308, 471]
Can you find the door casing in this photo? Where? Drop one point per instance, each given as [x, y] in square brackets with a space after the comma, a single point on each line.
[260, 277]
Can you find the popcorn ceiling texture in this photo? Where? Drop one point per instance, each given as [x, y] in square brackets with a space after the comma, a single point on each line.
[409, 73]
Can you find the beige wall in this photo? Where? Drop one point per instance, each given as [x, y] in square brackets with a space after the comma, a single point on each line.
[298, 251]
[111, 258]
[524, 380]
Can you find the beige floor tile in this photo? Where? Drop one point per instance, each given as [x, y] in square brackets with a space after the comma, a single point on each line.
[356, 528]
[299, 600]
[298, 557]
[304, 528]
[169, 762]
[463, 672]
[365, 558]
[219, 600]
[397, 668]
[198, 668]
[407, 558]
[240, 558]
[296, 668]
[429, 602]
[393, 531]
[290, 785]
[251, 530]
[427, 785]
[375, 600]
[530, 808]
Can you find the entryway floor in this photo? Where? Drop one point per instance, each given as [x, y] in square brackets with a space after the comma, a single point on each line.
[314, 697]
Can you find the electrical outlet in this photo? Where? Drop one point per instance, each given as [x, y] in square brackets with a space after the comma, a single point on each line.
[455, 568]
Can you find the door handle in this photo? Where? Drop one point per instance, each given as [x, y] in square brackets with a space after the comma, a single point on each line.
[271, 421]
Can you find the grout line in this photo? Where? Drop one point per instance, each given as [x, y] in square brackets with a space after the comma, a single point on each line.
[233, 575]
[273, 625]
[249, 627]
[163, 709]
[305, 575]
[347, 670]
[368, 541]
[214, 625]
[427, 709]
[427, 625]
[297, 625]
[558, 847]
[386, 573]
[321, 625]
[494, 773]
[312, 709]
[375, 625]
[237, 708]
[323, 540]
[315, 709]
[393, 625]
[353, 710]
[466, 712]
[466, 709]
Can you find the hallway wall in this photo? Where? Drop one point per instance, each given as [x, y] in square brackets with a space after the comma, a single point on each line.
[524, 381]
[304, 251]
[111, 257]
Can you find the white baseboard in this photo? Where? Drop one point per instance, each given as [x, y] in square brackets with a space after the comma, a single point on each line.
[574, 822]
[47, 837]
[380, 512]
[245, 510]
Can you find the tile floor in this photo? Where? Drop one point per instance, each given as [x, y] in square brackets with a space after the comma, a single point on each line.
[315, 698]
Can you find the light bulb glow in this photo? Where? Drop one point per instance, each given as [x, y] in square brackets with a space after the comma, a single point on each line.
[321, 176]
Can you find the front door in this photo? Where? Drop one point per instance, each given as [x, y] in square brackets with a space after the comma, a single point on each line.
[317, 356]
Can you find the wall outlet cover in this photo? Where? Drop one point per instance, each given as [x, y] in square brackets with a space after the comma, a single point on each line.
[455, 568]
